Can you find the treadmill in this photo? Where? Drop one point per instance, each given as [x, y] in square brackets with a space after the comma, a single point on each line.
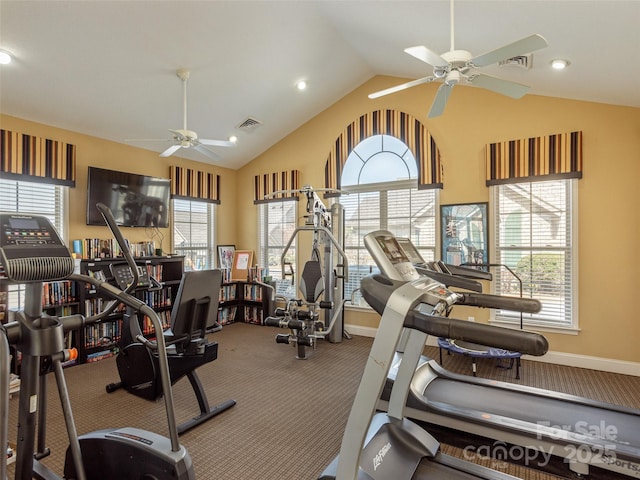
[387, 445]
[554, 430]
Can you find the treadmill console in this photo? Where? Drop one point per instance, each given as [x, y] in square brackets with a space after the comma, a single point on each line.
[390, 256]
[31, 250]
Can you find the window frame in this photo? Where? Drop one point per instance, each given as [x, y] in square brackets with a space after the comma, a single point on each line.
[284, 287]
[512, 319]
[210, 248]
[60, 219]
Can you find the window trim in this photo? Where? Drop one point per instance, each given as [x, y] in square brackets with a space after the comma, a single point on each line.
[263, 235]
[539, 325]
[211, 247]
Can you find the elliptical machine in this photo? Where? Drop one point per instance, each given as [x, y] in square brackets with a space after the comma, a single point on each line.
[31, 252]
[321, 285]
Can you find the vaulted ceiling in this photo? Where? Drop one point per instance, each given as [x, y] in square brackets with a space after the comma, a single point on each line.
[108, 68]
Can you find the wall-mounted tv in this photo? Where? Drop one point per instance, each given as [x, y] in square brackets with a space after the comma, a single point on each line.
[135, 200]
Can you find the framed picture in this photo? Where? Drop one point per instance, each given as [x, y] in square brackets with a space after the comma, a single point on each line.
[241, 264]
[464, 234]
[225, 256]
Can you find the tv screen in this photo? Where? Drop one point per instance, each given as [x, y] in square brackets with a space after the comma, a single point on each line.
[135, 200]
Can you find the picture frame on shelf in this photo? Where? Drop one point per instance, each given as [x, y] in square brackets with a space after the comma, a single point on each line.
[242, 261]
[225, 256]
[464, 233]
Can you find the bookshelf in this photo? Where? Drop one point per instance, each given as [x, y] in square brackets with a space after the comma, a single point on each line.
[248, 302]
[100, 340]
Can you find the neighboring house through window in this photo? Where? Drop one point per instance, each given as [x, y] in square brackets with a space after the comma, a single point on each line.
[536, 237]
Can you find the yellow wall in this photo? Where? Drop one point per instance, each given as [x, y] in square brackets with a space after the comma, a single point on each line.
[95, 152]
[609, 194]
[608, 215]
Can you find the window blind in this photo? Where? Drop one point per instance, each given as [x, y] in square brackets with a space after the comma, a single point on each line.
[534, 236]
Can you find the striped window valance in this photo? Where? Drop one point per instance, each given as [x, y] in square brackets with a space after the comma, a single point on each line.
[30, 158]
[536, 158]
[266, 185]
[192, 184]
[387, 122]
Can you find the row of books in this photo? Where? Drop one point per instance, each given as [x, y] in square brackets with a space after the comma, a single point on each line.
[228, 292]
[157, 298]
[253, 315]
[227, 315]
[109, 248]
[165, 319]
[101, 355]
[93, 306]
[100, 334]
[58, 293]
[253, 292]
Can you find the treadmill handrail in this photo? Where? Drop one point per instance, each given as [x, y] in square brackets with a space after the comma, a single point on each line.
[522, 341]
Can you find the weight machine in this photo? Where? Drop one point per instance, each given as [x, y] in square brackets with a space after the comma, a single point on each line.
[321, 282]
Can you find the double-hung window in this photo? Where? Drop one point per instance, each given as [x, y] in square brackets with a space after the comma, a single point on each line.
[277, 222]
[380, 184]
[33, 198]
[194, 233]
[535, 236]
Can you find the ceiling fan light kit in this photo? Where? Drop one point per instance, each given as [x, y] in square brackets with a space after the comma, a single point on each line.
[457, 66]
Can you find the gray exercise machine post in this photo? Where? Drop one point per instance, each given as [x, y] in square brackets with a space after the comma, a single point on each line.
[31, 253]
[321, 281]
[567, 433]
[389, 445]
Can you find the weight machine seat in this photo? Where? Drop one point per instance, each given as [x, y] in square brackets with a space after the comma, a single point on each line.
[311, 281]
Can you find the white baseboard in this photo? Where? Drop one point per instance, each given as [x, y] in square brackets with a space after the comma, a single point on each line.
[559, 358]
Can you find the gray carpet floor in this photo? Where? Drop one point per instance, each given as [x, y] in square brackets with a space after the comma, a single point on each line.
[290, 414]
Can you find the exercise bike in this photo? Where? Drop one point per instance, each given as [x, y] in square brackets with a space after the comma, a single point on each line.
[193, 316]
[31, 252]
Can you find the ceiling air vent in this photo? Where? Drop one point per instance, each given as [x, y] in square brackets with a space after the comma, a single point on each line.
[522, 61]
[249, 125]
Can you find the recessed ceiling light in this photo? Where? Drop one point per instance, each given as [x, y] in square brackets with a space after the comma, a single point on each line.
[5, 57]
[233, 139]
[302, 85]
[559, 64]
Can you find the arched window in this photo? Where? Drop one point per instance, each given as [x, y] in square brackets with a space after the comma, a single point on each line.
[380, 177]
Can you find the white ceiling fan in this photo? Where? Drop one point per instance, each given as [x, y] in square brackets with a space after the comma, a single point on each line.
[457, 66]
[185, 138]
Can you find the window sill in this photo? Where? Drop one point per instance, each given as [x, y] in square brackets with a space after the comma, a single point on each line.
[538, 327]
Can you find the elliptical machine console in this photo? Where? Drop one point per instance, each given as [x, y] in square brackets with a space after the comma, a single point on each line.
[31, 252]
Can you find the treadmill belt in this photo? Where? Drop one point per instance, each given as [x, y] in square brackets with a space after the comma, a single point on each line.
[536, 409]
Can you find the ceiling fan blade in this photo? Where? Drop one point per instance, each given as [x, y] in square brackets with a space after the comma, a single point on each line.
[216, 143]
[170, 151]
[427, 56]
[207, 152]
[403, 86]
[437, 107]
[498, 85]
[519, 47]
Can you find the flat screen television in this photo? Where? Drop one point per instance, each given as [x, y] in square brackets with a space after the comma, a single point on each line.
[135, 200]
